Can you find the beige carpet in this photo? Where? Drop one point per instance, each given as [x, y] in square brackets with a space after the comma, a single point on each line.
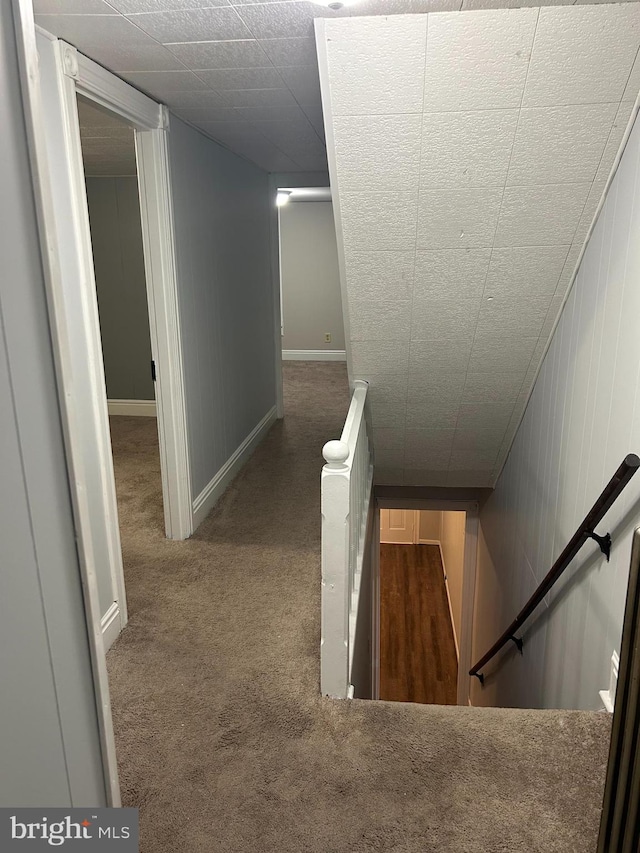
[223, 741]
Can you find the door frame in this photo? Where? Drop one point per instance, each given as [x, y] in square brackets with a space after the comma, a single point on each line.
[65, 239]
[471, 508]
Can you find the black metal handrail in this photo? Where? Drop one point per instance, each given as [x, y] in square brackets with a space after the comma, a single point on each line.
[586, 531]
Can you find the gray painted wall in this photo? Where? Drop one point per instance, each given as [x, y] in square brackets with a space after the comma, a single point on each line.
[582, 419]
[49, 742]
[311, 296]
[221, 218]
[116, 237]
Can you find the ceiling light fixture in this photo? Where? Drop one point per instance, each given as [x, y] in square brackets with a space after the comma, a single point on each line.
[282, 197]
[335, 4]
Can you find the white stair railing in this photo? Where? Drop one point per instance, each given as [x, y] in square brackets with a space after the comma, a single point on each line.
[347, 480]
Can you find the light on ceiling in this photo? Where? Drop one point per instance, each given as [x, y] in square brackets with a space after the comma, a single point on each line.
[335, 4]
[282, 197]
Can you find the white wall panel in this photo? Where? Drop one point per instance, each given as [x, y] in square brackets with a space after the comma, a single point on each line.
[583, 417]
[221, 217]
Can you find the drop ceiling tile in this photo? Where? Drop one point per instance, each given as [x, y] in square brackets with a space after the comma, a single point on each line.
[193, 25]
[538, 216]
[159, 84]
[426, 477]
[389, 85]
[262, 98]
[512, 315]
[315, 116]
[435, 318]
[391, 414]
[439, 416]
[273, 114]
[204, 55]
[582, 55]
[229, 132]
[291, 51]
[481, 387]
[459, 272]
[457, 218]
[206, 100]
[428, 448]
[493, 416]
[129, 7]
[614, 141]
[556, 145]
[378, 221]
[73, 7]
[372, 275]
[433, 386]
[388, 390]
[388, 319]
[486, 442]
[377, 151]
[208, 114]
[89, 32]
[500, 353]
[436, 357]
[389, 439]
[303, 81]
[401, 7]
[388, 476]
[264, 154]
[569, 268]
[479, 61]
[476, 460]
[388, 458]
[471, 479]
[591, 205]
[296, 138]
[284, 20]
[242, 78]
[379, 357]
[525, 271]
[466, 149]
[633, 83]
[471, 5]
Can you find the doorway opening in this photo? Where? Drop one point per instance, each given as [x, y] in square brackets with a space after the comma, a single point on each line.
[421, 574]
[111, 183]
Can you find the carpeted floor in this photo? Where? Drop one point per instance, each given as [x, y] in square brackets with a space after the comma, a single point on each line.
[223, 740]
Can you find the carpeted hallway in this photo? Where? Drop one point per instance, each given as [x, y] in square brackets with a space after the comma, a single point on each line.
[223, 740]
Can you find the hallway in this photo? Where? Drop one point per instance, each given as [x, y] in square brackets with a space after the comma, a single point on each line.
[223, 740]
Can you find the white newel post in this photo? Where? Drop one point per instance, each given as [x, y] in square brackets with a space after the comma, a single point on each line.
[334, 651]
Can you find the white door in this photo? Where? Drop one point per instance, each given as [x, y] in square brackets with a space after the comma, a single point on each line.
[398, 526]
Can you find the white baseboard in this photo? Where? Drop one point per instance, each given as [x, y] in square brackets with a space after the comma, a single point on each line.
[110, 625]
[214, 489]
[446, 586]
[142, 408]
[314, 355]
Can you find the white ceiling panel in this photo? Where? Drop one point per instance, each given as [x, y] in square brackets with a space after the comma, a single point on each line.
[479, 61]
[457, 218]
[540, 215]
[560, 144]
[216, 24]
[582, 54]
[378, 221]
[381, 151]
[462, 272]
[394, 83]
[242, 78]
[525, 271]
[206, 55]
[513, 160]
[467, 149]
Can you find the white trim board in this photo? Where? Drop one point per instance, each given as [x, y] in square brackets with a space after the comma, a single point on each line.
[214, 489]
[314, 355]
[110, 626]
[446, 586]
[132, 408]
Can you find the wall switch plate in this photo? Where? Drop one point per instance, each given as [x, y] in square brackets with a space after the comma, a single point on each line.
[327, 337]
[609, 696]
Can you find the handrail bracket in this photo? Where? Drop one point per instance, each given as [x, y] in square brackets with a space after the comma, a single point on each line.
[519, 643]
[603, 541]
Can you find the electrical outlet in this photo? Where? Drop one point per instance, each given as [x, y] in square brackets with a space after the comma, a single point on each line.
[327, 337]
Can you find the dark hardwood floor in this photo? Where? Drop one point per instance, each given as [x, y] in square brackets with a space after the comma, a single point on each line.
[417, 650]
